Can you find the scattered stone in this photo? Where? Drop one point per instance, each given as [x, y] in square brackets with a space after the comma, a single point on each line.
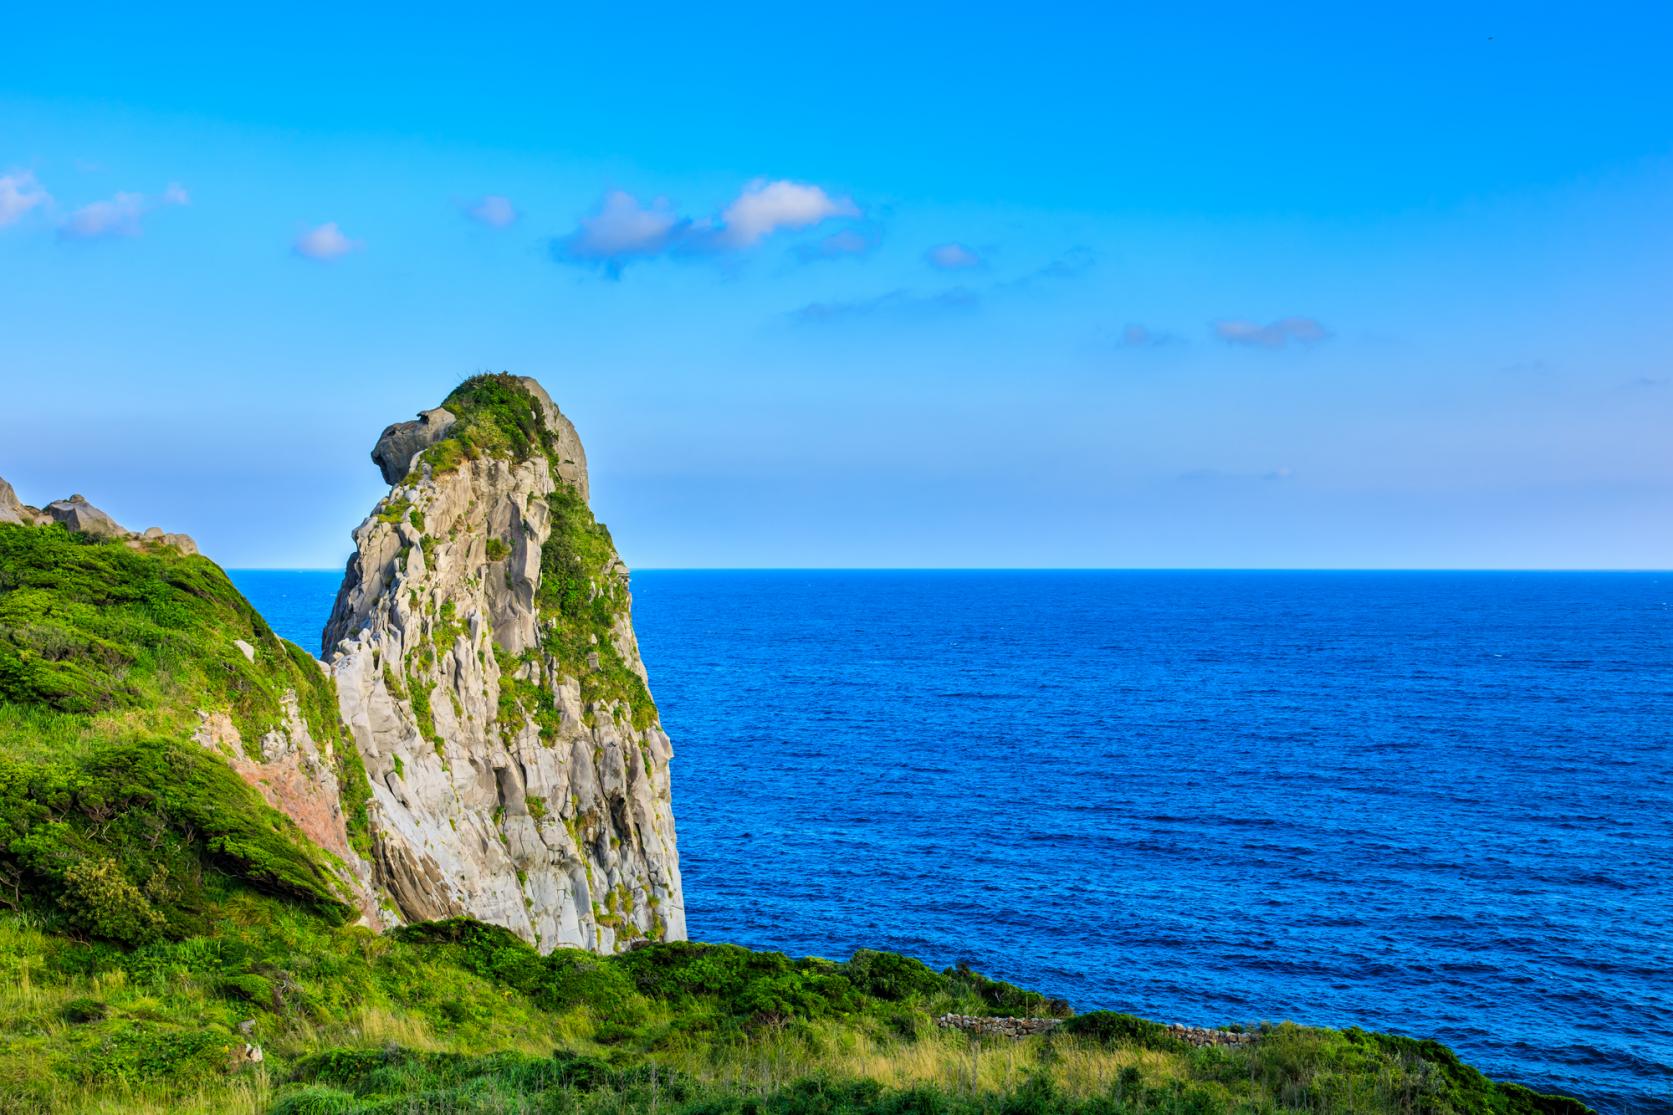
[1200, 1036]
[1027, 1027]
[181, 542]
[249, 651]
[996, 1026]
[247, 1027]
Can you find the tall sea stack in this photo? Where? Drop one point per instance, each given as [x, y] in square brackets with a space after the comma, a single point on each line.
[483, 649]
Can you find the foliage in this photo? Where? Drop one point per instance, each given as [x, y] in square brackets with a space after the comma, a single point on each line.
[113, 822]
[461, 1016]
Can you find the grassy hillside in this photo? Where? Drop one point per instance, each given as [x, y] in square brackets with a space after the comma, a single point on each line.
[158, 921]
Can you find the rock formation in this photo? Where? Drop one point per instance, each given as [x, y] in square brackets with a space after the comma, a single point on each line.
[78, 515]
[486, 666]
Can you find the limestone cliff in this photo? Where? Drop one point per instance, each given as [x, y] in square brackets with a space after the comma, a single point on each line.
[487, 668]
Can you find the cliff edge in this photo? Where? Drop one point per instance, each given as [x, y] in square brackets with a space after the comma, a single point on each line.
[486, 667]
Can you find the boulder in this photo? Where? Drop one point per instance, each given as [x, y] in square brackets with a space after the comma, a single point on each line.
[79, 515]
[400, 443]
[181, 542]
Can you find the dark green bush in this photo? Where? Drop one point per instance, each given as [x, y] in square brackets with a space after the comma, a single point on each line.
[890, 976]
[84, 1010]
[1112, 1028]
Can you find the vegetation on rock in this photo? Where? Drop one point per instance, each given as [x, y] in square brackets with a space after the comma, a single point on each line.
[583, 590]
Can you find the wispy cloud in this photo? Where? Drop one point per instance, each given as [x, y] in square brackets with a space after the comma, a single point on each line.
[492, 210]
[1072, 264]
[954, 257]
[118, 216]
[902, 303]
[19, 193]
[624, 230]
[1276, 334]
[896, 303]
[325, 242]
[848, 243]
[1142, 336]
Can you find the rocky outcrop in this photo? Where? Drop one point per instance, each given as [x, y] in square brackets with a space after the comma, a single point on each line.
[403, 441]
[79, 515]
[11, 511]
[76, 514]
[486, 665]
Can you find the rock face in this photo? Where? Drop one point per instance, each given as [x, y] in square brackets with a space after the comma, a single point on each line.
[486, 665]
[296, 775]
[11, 511]
[403, 441]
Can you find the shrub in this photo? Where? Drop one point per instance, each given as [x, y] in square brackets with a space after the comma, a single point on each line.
[98, 898]
[1111, 1028]
[84, 1010]
[893, 977]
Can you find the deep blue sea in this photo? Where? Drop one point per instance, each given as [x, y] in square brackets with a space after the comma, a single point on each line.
[1431, 803]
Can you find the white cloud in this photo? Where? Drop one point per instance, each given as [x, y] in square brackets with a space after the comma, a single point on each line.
[765, 207]
[325, 242]
[19, 193]
[624, 229]
[119, 215]
[622, 226]
[1276, 334]
[954, 257]
[492, 210]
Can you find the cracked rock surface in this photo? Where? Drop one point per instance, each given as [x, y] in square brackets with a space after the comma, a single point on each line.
[485, 663]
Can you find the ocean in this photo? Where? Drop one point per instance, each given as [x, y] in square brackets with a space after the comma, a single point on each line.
[1437, 804]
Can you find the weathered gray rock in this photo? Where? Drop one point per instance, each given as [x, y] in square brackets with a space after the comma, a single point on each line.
[11, 511]
[403, 441]
[79, 515]
[181, 542]
[555, 823]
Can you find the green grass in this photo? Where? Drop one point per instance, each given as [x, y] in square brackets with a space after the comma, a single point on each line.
[113, 822]
[459, 1016]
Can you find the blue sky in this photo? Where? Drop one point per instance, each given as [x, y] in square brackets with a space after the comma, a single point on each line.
[857, 286]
